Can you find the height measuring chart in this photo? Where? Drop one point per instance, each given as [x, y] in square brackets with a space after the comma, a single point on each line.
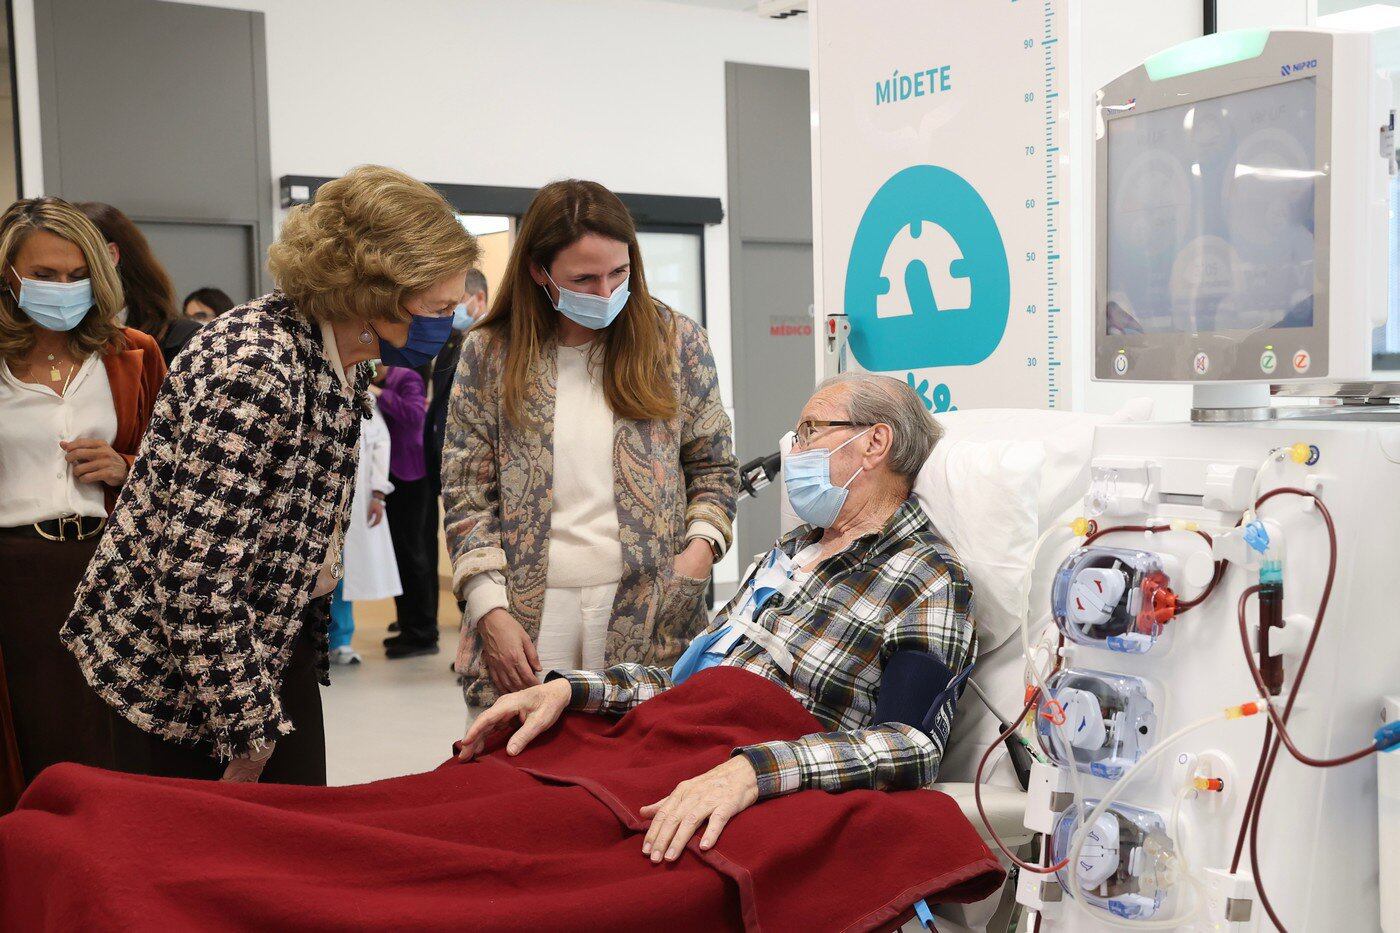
[938, 174]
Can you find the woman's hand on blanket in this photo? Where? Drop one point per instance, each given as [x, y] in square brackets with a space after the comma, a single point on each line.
[716, 796]
[246, 769]
[507, 652]
[536, 708]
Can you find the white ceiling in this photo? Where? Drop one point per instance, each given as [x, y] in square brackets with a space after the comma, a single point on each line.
[742, 5]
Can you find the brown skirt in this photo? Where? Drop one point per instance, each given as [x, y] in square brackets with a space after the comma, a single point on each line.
[54, 714]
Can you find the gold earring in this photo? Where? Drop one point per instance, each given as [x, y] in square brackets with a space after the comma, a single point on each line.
[366, 338]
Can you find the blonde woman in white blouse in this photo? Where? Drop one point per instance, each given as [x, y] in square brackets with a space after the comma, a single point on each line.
[76, 393]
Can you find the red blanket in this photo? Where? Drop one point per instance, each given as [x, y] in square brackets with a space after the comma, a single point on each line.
[549, 839]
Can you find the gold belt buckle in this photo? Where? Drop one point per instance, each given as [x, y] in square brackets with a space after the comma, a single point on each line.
[65, 522]
[81, 535]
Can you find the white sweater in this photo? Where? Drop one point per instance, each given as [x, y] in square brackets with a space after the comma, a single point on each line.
[585, 545]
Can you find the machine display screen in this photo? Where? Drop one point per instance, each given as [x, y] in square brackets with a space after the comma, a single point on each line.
[1210, 214]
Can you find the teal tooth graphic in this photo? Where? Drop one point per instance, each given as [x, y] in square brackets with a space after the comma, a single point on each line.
[927, 283]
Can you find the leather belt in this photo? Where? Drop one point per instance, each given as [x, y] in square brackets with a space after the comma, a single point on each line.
[64, 528]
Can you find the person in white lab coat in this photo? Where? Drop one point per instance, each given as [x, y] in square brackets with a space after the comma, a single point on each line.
[370, 569]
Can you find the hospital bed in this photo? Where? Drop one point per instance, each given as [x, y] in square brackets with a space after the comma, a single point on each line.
[995, 482]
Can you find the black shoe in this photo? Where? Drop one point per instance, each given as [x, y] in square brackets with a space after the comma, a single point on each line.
[393, 626]
[410, 649]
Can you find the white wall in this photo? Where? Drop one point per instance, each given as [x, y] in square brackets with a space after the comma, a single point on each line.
[26, 92]
[629, 93]
[1249, 14]
[626, 92]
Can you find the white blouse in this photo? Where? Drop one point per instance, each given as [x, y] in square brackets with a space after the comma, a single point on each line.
[36, 482]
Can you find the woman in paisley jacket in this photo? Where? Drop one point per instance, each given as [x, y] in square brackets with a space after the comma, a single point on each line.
[588, 472]
[202, 620]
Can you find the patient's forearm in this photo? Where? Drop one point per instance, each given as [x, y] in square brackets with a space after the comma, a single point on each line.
[616, 689]
[892, 756]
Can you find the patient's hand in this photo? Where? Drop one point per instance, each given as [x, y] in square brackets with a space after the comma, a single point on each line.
[718, 796]
[537, 708]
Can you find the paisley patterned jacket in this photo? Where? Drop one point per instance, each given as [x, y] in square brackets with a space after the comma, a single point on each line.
[497, 485]
[190, 609]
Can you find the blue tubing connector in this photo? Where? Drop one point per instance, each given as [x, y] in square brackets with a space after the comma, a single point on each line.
[1388, 736]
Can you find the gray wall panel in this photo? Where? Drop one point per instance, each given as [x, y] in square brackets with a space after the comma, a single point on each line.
[770, 243]
[160, 109]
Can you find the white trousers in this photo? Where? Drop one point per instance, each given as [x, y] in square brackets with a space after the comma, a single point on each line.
[574, 627]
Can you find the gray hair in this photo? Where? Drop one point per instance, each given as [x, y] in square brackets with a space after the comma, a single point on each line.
[476, 282]
[872, 399]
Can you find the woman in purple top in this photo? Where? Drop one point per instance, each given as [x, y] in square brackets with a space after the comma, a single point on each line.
[404, 404]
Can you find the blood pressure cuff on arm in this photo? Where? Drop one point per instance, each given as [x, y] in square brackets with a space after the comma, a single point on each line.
[919, 690]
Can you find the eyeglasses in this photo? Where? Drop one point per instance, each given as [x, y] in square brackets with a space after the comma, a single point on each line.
[808, 429]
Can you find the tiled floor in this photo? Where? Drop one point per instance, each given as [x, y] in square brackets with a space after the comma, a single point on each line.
[387, 718]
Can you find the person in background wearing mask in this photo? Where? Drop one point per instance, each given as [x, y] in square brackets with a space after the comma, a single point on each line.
[76, 393]
[863, 614]
[440, 388]
[588, 475]
[205, 304]
[371, 570]
[202, 619]
[439, 391]
[402, 402]
[150, 298]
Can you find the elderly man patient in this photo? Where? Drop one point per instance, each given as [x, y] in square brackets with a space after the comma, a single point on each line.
[861, 613]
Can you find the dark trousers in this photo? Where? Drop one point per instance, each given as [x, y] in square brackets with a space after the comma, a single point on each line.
[55, 716]
[299, 758]
[431, 518]
[407, 508]
[52, 712]
[430, 539]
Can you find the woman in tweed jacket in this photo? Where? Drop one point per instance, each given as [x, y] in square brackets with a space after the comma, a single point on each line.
[202, 620]
[588, 472]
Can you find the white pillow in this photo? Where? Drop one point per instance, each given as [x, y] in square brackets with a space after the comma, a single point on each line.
[1068, 438]
[983, 497]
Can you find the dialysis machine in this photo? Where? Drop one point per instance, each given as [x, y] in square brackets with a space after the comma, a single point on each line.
[1237, 574]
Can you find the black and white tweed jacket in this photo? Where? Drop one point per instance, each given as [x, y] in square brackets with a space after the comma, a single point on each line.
[189, 611]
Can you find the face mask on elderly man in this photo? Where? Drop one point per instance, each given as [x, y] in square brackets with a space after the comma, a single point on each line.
[807, 477]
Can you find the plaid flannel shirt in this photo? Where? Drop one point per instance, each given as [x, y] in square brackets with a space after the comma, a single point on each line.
[901, 588]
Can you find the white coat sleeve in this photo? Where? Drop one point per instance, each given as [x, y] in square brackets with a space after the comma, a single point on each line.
[378, 436]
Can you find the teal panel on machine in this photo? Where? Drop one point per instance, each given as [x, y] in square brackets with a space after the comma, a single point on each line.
[1222, 48]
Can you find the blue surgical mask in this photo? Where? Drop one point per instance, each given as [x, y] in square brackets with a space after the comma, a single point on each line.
[462, 318]
[426, 336]
[807, 478]
[591, 311]
[57, 306]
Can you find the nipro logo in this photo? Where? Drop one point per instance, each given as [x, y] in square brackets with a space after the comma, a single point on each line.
[1287, 70]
